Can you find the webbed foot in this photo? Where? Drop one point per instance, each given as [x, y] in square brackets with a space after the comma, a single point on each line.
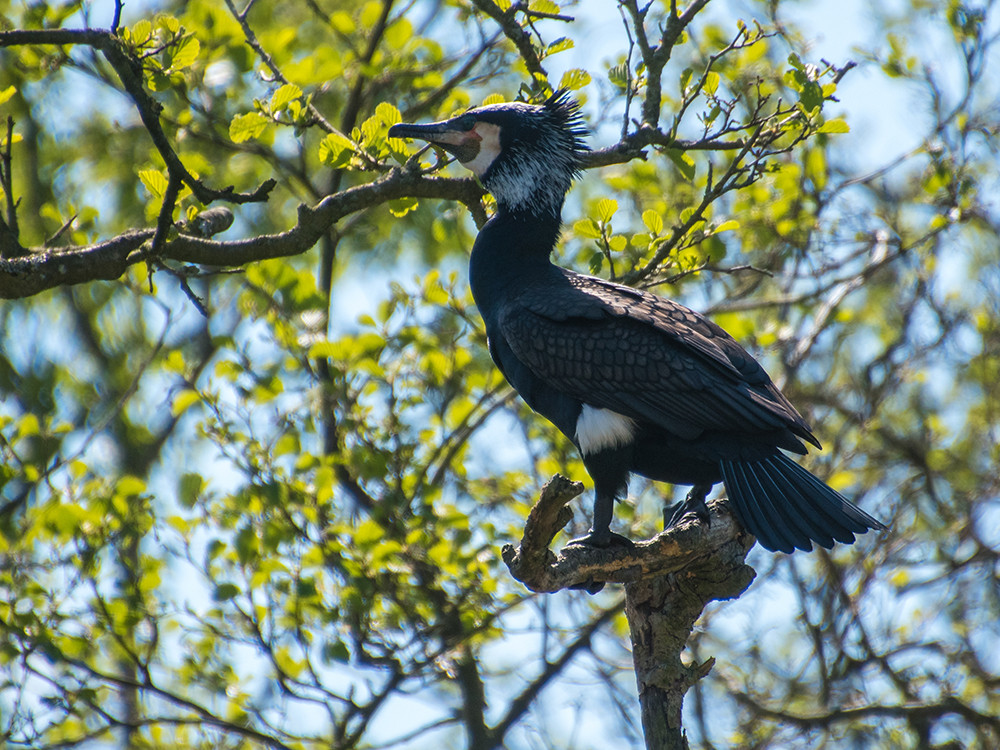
[602, 540]
[694, 503]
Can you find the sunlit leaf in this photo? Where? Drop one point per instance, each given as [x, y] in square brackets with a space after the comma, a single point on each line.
[246, 126]
[184, 401]
[653, 221]
[606, 208]
[284, 95]
[185, 54]
[834, 126]
[587, 228]
[155, 181]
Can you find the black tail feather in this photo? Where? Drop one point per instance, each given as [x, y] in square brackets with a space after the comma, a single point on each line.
[787, 508]
[748, 505]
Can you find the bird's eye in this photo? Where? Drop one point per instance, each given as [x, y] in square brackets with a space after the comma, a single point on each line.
[465, 122]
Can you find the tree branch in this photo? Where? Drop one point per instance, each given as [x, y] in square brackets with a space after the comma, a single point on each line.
[512, 29]
[129, 70]
[28, 275]
[534, 565]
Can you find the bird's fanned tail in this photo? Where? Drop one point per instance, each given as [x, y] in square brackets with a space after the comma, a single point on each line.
[787, 508]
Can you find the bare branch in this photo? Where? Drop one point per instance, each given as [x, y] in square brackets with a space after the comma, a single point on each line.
[506, 20]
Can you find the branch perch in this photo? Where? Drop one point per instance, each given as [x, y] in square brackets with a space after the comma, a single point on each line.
[675, 549]
[668, 579]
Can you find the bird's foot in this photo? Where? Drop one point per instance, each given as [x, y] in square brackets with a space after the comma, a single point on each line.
[591, 587]
[694, 503]
[602, 540]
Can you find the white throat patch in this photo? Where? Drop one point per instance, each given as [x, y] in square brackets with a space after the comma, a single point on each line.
[597, 429]
[489, 148]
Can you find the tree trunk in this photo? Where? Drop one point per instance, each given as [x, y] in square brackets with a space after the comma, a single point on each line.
[668, 581]
[661, 613]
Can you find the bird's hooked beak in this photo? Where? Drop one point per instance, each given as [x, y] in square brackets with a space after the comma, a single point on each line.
[474, 141]
[457, 136]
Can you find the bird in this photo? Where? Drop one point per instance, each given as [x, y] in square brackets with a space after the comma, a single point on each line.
[639, 383]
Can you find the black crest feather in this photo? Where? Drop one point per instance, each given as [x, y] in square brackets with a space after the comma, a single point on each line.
[566, 111]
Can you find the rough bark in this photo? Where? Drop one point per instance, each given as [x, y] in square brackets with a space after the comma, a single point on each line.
[668, 579]
[661, 612]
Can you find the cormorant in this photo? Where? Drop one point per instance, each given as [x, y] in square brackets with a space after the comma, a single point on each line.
[639, 383]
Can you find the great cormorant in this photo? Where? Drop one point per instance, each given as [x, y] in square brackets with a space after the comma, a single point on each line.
[639, 383]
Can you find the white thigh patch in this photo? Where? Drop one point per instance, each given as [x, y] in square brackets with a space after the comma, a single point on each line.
[597, 429]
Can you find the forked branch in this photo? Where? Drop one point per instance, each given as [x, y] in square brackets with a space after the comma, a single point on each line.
[689, 543]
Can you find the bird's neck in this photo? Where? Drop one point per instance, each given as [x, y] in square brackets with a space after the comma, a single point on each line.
[512, 246]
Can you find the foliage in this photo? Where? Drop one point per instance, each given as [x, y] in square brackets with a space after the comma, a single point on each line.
[253, 489]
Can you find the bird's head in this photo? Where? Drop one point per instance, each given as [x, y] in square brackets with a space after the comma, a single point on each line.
[525, 154]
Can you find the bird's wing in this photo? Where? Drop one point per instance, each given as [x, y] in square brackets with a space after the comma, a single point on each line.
[645, 357]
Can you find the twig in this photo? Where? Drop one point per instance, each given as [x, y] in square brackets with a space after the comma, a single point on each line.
[255, 45]
[165, 219]
[513, 31]
[9, 243]
[51, 241]
[117, 17]
[129, 73]
[629, 93]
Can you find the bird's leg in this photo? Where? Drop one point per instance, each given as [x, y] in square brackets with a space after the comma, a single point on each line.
[600, 534]
[693, 503]
[610, 483]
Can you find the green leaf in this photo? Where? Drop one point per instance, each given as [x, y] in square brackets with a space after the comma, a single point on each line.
[606, 208]
[368, 532]
[343, 23]
[155, 181]
[183, 401]
[653, 221]
[559, 45]
[141, 32]
[834, 126]
[225, 591]
[370, 130]
[618, 75]
[726, 226]
[189, 486]
[388, 114]
[130, 486]
[402, 206]
[685, 79]
[574, 78]
[336, 651]
[283, 96]
[335, 150]
[7, 93]
[587, 228]
[244, 127]
[683, 162]
[169, 23]
[811, 96]
[185, 54]
[711, 83]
